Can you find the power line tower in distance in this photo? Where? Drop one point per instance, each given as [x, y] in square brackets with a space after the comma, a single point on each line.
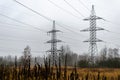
[54, 42]
[92, 40]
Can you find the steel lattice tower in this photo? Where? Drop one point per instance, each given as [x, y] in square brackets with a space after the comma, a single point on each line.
[92, 29]
[53, 42]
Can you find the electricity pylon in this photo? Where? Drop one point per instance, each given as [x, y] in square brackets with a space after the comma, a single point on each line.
[92, 29]
[53, 42]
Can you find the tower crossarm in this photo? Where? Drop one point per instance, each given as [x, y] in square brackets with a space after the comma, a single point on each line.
[95, 29]
[92, 18]
[96, 40]
[53, 51]
[52, 31]
[54, 41]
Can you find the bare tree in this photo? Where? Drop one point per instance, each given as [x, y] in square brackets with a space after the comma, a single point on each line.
[103, 54]
[26, 56]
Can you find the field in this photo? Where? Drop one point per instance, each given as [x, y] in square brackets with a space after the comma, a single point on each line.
[99, 74]
[95, 73]
[58, 73]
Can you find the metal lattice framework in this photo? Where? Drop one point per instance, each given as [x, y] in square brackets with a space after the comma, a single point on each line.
[53, 42]
[92, 29]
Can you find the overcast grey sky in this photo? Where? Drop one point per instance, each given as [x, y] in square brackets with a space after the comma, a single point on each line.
[14, 36]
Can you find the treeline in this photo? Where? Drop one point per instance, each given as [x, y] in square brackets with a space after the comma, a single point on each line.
[107, 58]
[46, 71]
[23, 69]
[26, 71]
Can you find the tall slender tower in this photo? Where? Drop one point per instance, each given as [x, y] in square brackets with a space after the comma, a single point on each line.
[53, 42]
[92, 29]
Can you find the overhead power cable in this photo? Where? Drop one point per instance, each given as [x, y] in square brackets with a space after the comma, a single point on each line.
[21, 22]
[11, 49]
[112, 43]
[33, 11]
[47, 18]
[44, 16]
[69, 29]
[72, 39]
[112, 32]
[56, 6]
[13, 26]
[64, 9]
[111, 22]
[83, 5]
[74, 8]
[16, 39]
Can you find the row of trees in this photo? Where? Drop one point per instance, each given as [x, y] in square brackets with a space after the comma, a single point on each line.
[107, 57]
[10, 60]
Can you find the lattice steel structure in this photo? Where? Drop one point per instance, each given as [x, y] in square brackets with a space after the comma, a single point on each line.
[92, 29]
[53, 42]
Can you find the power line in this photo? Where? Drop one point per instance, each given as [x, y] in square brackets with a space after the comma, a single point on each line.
[114, 36]
[83, 5]
[12, 25]
[71, 44]
[9, 24]
[67, 26]
[42, 15]
[112, 43]
[111, 22]
[21, 22]
[11, 49]
[69, 29]
[13, 39]
[112, 32]
[59, 25]
[70, 38]
[16, 39]
[33, 11]
[74, 8]
[64, 9]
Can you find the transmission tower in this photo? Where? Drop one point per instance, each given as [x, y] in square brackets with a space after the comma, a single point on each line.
[54, 42]
[92, 29]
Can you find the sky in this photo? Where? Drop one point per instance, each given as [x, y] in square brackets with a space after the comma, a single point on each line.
[15, 36]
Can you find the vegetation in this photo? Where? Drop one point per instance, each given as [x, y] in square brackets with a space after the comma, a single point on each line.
[58, 72]
[67, 67]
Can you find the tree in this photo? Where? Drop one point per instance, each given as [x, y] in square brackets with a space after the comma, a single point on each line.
[26, 56]
[83, 60]
[83, 63]
[1, 60]
[116, 53]
[103, 54]
[27, 52]
[113, 60]
[113, 53]
[110, 53]
[71, 57]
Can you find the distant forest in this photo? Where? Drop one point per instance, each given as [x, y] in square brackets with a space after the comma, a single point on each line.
[106, 58]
